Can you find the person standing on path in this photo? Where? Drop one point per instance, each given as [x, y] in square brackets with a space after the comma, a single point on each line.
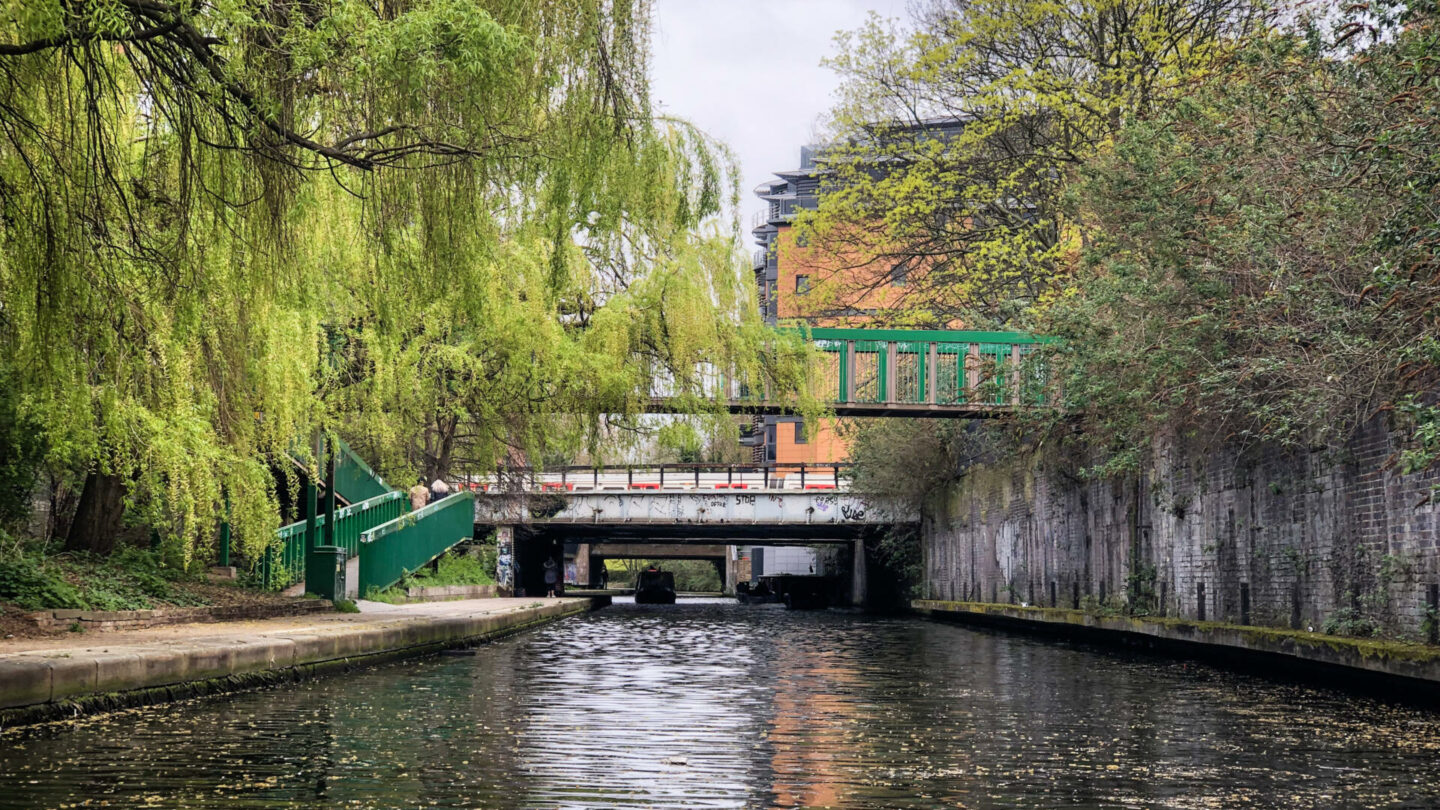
[419, 494]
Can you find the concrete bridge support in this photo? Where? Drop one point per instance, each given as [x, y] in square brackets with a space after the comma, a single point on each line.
[857, 573]
[732, 570]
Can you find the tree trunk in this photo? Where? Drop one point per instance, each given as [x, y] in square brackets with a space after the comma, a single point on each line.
[97, 518]
[440, 453]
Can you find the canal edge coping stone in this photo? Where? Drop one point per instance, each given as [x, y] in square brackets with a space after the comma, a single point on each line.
[1293, 652]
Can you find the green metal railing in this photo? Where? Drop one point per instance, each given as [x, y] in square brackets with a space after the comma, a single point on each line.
[354, 480]
[284, 564]
[927, 367]
[391, 550]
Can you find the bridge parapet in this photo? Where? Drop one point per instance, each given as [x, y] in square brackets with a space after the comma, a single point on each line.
[776, 508]
[807, 477]
[912, 373]
[933, 367]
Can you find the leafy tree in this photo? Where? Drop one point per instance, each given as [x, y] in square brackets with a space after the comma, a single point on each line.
[954, 140]
[426, 226]
[1267, 269]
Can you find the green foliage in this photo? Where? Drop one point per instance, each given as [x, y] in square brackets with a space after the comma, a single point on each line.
[132, 579]
[1254, 272]
[691, 576]
[346, 606]
[488, 554]
[980, 113]
[455, 568]
[908, 461]
[695, 576]
[27, 582]
[21, 452]
[900, 554]
[1109, 608]
[681, 440]
[1423, 425]
[1140, 596]
[453, 231]
[1350, 622]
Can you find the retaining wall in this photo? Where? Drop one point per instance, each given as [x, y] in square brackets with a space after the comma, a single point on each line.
[440, 593]
[103, 620]
[1300, 540]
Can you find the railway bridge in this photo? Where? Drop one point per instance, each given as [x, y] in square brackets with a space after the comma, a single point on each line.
[679, 507]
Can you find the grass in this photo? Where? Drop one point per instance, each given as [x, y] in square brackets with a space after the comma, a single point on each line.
[454, 569]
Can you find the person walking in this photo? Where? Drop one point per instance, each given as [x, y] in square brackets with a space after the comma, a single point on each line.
[552, 576]
[419, 494]
[439, 490]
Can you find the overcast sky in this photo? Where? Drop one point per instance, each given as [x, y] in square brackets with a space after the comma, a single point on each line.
[748, 72]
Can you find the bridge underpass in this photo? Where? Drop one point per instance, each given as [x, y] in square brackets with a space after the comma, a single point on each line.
[534, 526]
[590, 558]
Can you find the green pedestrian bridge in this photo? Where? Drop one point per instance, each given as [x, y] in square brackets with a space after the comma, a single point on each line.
[916, 373]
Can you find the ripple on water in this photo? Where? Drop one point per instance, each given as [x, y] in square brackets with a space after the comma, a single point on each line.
[720, 705]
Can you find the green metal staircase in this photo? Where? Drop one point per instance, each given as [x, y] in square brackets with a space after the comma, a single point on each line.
[377, 526]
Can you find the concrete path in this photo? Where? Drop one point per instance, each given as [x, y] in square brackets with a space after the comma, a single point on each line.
[41, 672]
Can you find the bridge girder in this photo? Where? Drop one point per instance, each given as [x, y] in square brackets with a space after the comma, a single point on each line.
[696, 534]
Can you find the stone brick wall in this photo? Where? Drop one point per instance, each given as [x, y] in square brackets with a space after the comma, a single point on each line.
[1257, 536]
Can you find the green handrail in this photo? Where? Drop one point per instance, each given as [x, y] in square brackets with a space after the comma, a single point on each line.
[354, 480]
[391, 550]
[284, 563]
[967, 367]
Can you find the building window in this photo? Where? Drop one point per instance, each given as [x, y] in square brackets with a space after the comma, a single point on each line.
[800, 432]
[770, 443]
[802, 285]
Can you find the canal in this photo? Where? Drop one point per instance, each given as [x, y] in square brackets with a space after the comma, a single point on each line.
[720, 705]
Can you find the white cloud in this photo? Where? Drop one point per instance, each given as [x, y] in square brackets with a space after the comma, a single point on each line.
[748, 72]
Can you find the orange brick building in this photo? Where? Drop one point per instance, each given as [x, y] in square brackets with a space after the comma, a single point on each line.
[800, 284]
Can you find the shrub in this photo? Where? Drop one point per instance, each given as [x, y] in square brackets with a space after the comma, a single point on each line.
[1350, 622]
[32, 585]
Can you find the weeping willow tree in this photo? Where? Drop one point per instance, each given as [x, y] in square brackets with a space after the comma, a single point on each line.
[430, 226]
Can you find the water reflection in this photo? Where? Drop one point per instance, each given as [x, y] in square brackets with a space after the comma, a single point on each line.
[719, 705]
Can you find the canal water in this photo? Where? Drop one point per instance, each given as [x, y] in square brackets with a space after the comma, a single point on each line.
[703, 705]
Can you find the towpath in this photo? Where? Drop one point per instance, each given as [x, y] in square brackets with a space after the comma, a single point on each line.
[105, 670]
